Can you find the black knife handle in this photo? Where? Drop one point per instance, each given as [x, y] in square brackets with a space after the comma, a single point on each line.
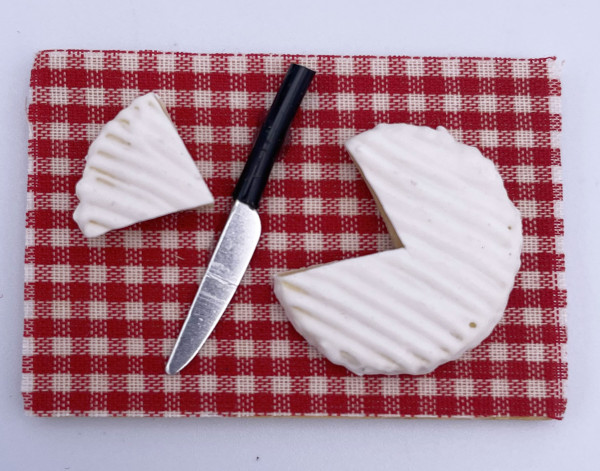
[256, 172]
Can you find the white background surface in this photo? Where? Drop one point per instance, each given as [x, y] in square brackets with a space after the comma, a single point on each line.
[567, 29]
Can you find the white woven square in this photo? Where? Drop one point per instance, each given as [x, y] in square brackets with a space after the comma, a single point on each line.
[486, 68]
[529, 280]
[536, 388]
[464, 387]
[345, 101]
[535, 352]
[533, 316]
[97, 274]
[531, 244]
[93, 60]
[450, 67]
[522, 104]
[525, 173]
[415, 67]
[129, 62]
[427, 386]
[244, 348]
[59, 131]
[60, 166]
[554, 104]
[310, 136]
[344, 66]
[237, 65]
[355, 386]
[555, 139]
[61, 273]
[452, 103]
[94, 96]
[27, 382]
[498, 351]
[201, 64]
[208, 383]
[244, 384]
[170, 275]
[61, 382]
[61, 309]
[488, 138]
[390, 386]
[317, 385]
[57, 59]
[487, 103]
[60, 237]
[135, 346]
[380, 66]
[172, 383]
[312, 206]
[313, 242]
[97, 310]
[277, 241]
[238, 100]
[135, 383]
[98, 346]
[417, 102]
[60, 201]
[133, 239]
[500, 388]
[59, 95]
[380, 101]
[281, 385]
[239, 135]
[311, 101]
[28, 348]
[134, 274]
[61, 346]
[528, 208]
[99, 382]
[166, 63]
[170, 311]
[274, 65]
[134, 310]
[280, 348]
[520, 69]
[202, 99]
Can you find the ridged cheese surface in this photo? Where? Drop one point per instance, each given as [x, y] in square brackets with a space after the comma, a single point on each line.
[138, 168]
[442, 291]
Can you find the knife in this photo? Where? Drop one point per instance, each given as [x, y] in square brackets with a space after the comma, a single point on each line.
[242, 230]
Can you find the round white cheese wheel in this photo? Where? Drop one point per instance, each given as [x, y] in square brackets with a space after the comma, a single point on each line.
[445, 286]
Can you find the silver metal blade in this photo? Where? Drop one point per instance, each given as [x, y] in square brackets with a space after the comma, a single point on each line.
[223, 275]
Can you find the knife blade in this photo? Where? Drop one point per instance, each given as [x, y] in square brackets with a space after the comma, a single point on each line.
[241, 233]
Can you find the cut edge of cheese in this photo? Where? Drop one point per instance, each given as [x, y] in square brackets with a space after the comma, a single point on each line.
[409, 310]
[137, 169]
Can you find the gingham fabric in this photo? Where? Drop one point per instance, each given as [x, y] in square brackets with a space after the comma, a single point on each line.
[102, 315]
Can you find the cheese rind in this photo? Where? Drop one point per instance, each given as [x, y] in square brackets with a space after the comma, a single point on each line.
[138, 168]
[411, 309]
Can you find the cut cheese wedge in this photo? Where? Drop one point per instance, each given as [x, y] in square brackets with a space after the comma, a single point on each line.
[445, 286]
[138, 168]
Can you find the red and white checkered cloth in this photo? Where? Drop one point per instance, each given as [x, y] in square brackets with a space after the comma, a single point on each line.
[102, 315]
